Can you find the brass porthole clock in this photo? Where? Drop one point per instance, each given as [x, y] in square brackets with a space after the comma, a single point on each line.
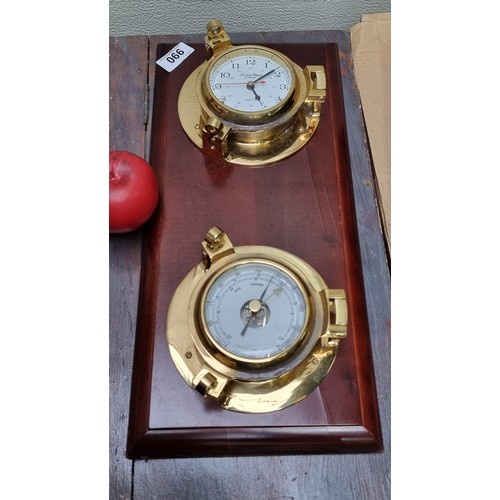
[249, 104]
[255, 328]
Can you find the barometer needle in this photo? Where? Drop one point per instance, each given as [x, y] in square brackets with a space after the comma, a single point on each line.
[260, 300]
[246, 326]
[276, 290]
[265, 290]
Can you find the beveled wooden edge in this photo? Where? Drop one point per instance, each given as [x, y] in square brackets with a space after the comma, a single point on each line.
[219, 442]
[169, 443]
[367, 383]
[140, 393]
[358, 474]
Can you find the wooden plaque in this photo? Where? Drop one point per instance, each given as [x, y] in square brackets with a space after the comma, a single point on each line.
[304, 205]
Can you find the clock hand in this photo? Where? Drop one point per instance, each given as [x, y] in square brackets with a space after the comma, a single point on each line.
[239, 83]
[263, 76]
[255, 308]
[251, 86]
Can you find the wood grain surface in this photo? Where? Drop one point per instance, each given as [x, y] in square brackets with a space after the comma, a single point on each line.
[304, 205]
[310, 476]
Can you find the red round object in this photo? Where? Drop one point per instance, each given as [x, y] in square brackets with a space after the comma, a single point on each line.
[133, 191]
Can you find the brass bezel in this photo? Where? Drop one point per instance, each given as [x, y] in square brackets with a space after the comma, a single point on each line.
[246, 362]
[248, 138]
[234, 383]
[241, 117]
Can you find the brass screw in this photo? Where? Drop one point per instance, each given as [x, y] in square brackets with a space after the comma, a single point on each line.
[189, 355]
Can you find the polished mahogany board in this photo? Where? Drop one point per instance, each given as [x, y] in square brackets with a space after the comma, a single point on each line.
[304, 205]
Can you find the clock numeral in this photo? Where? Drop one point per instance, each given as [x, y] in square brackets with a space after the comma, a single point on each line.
[236, 66]
[225, 74]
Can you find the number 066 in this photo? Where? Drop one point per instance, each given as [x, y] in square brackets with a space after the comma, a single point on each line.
[175, 55]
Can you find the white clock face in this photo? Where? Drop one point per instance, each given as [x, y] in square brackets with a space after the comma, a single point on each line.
[251, 81]
[255, 311]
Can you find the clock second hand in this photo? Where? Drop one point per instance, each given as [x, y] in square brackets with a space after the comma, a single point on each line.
[250, 83]
[240, 83]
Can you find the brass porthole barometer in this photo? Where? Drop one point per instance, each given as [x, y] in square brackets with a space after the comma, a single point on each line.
[254, 327]
[249, 104]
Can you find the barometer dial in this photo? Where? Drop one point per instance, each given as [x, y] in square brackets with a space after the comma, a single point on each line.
[255, 311]
[253, 327]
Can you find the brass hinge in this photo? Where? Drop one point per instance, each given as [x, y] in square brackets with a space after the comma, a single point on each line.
[216, 245]
[216, 38]
[337, 329]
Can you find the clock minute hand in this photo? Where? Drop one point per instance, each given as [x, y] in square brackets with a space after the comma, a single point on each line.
[263, 76]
